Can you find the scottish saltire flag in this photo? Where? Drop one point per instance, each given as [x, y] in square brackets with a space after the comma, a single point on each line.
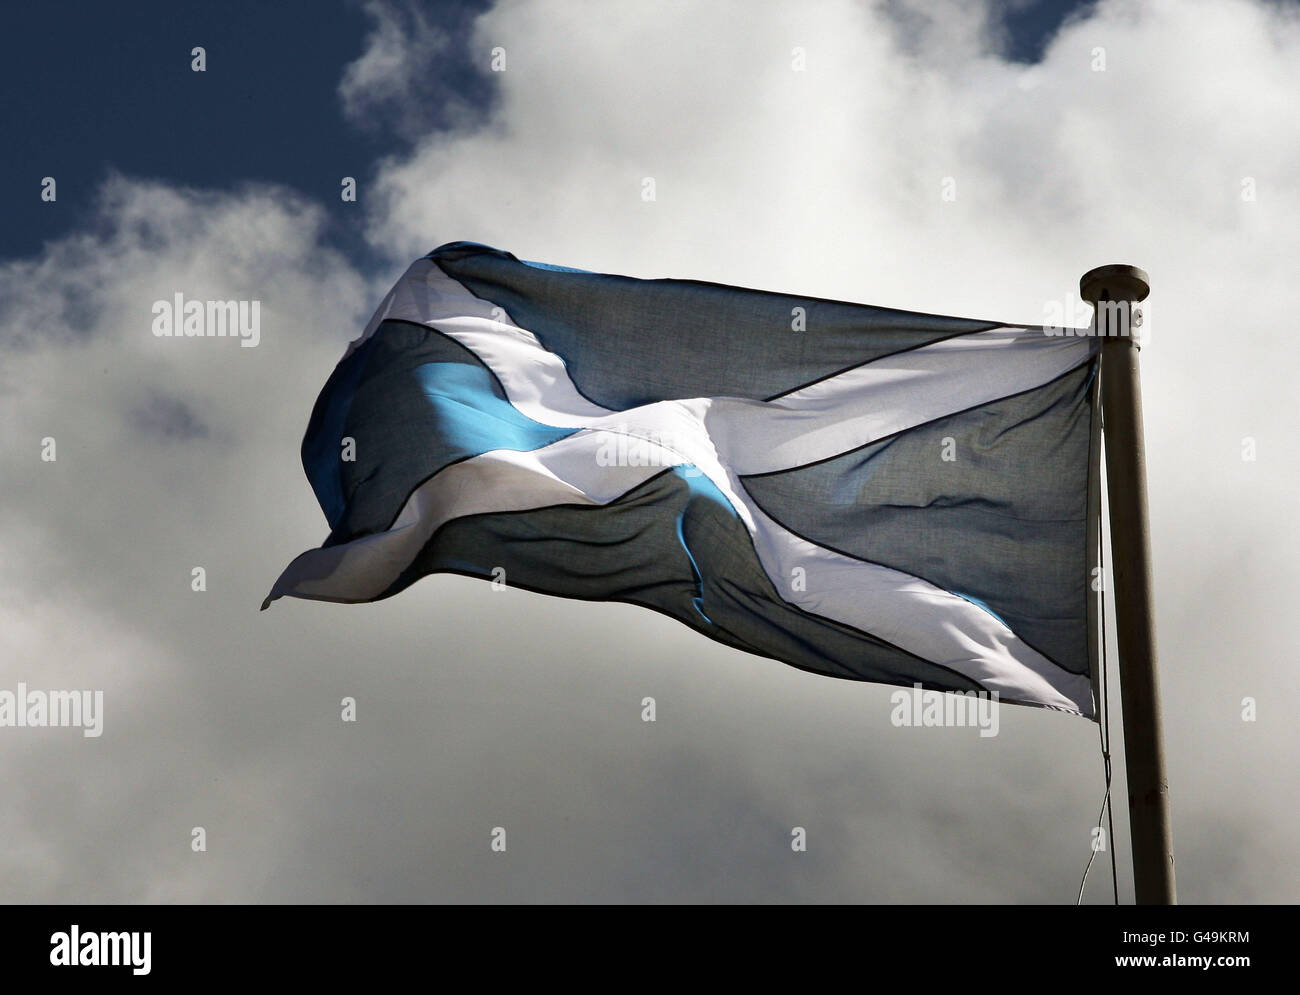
[857, 491]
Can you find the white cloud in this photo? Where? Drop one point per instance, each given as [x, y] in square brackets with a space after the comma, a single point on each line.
[397, 81]
[96, 555]
[828, 182]
[481, 708]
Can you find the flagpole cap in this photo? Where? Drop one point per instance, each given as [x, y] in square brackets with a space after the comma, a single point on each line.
[1116, 282]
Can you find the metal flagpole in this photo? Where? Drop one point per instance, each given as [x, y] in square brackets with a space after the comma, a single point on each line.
[1113, 290]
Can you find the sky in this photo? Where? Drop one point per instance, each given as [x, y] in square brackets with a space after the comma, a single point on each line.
[950, 157]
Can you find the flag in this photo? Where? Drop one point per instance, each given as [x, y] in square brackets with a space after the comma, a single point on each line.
[857, 491]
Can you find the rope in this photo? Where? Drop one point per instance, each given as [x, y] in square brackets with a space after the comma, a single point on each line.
[1103, 728]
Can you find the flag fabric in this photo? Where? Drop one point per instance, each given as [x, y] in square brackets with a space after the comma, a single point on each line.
[857, 491]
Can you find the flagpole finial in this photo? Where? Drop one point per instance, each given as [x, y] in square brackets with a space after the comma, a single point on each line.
[1116, 282]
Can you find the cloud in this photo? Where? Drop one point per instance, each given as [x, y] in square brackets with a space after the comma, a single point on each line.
[480, 708]
[411, 75]
[1156, 133]
[168, 418]
[167, 452]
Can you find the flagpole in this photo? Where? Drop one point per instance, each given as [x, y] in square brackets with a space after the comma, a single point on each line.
[1113, 290]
